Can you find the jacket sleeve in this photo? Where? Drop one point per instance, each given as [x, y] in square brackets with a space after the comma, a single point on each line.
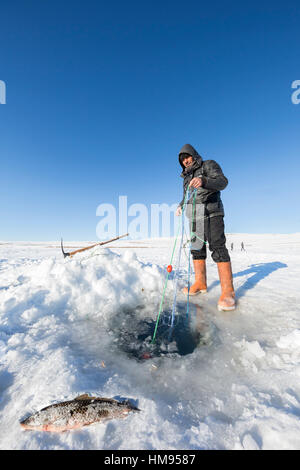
[184, 191]
[213, 177]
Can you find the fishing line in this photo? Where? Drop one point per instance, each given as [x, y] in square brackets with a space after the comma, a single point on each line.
[170, 268]
[177, 271]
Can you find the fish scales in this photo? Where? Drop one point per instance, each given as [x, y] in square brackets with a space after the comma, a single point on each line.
[76, 413]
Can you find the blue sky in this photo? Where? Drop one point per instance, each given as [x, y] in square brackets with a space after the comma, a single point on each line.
[100, 97]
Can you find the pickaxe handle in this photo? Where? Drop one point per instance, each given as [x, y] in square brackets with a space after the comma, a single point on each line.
[89, 247]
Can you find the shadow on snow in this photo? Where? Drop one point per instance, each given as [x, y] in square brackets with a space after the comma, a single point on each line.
[257, 272]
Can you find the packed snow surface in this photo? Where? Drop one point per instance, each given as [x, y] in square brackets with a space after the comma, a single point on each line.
[69, 326]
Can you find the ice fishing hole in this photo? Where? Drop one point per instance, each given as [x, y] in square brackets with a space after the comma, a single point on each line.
[132, 332]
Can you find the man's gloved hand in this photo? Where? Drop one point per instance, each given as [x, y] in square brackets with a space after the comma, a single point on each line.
[178, 211]
[196, 182]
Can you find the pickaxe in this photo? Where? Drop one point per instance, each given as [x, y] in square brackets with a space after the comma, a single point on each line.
[88, 247]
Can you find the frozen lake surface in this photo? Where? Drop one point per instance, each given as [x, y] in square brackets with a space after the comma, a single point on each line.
[84, 325]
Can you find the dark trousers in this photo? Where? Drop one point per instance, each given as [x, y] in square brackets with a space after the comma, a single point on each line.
[214, 234]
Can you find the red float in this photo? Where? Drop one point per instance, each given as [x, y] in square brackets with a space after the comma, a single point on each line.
[146, 356]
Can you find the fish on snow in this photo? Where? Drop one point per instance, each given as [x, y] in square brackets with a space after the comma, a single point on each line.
[74, 414]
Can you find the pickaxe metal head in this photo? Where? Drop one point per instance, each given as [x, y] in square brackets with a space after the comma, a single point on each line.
[62, 249]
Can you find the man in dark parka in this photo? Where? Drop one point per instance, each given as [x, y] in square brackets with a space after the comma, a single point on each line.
[206, 215]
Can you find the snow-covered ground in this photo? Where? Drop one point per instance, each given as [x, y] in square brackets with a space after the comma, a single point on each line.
[61, 321]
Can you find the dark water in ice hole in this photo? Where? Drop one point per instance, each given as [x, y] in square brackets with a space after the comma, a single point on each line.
[133, 332]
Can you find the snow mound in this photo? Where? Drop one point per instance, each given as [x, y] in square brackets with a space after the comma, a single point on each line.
[93, 286]
[290, 341]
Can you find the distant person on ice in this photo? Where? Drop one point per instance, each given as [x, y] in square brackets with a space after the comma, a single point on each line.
[206, 216]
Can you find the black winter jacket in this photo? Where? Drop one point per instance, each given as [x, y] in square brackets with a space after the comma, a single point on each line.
[213, 180]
